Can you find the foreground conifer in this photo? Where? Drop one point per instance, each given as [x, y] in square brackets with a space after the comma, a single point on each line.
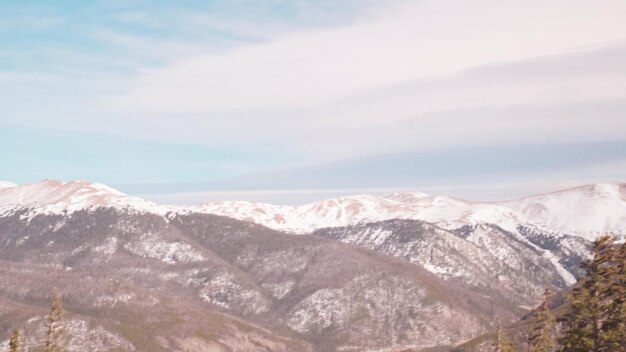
[503, 344]
[615, 324]
[54, 324]
[586, 323]
[15, 343]
[542, 334]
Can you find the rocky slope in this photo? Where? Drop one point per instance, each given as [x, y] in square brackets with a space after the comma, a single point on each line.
[129, 276]
[490, 260]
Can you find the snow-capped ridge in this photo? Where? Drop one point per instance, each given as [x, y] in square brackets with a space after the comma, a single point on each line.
[585, 211]
[58, 197]
[350, 210]
[6, 184]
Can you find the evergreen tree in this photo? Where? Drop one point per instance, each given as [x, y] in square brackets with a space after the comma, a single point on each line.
[54, 324]
[502, 343]
[541, 337]
[15, 343]
[584, 323]
[615, 324]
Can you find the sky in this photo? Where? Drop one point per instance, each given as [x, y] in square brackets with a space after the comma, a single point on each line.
[294, 101]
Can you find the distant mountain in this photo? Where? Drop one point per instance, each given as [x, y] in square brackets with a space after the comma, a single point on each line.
[584, 211]
[405, 271]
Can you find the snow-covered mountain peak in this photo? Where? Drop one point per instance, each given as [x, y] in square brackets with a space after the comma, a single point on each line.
[586, 210]
[6, 184]
[407, 197]
[54, 196]
[351, 210]
[305, 218]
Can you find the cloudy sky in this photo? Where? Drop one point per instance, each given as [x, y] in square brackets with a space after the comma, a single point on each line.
[291, 101]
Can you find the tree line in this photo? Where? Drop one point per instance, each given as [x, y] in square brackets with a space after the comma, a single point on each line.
[595, 316]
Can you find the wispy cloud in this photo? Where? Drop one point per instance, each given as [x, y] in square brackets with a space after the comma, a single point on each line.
[317, 66]
[423, 62]
[576, 96]
[327, 81]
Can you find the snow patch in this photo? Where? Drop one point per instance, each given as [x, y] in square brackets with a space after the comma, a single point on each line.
[153, 246]
[225, 291]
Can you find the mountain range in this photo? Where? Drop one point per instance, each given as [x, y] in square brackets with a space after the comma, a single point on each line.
[408, 271]
[583, 211]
